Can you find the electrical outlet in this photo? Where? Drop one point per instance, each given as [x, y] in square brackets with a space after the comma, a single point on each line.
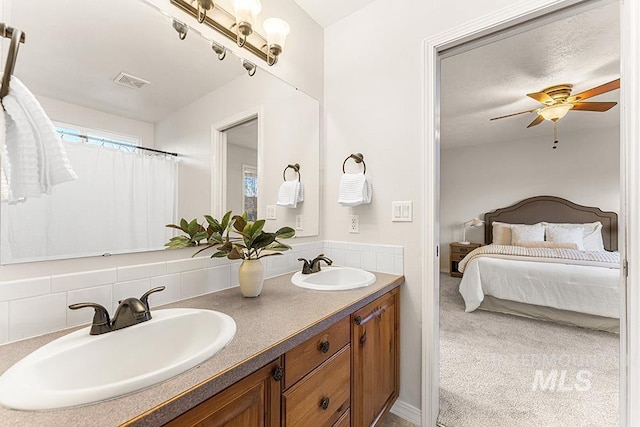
[299, 222]
[353, 224]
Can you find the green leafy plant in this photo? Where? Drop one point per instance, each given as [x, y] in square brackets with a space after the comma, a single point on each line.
[233, 237]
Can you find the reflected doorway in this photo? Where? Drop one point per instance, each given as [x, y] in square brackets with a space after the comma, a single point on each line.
[242, 168]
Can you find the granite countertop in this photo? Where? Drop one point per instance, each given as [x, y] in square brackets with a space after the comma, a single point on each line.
[282, 317]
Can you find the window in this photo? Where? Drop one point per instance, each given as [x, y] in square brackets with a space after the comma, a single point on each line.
[80, 134]
[250, 191]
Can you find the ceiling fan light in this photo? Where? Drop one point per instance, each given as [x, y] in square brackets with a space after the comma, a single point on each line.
[555, 112]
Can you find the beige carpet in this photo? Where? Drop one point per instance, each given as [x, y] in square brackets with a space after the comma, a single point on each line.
[502, 370]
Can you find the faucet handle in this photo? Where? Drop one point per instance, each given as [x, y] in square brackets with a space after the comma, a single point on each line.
[101, 322]
[306, 267]
[145, 297]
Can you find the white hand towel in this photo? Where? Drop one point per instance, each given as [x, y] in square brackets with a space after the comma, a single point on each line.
[290, 194]
[355, 189]
[34, 153]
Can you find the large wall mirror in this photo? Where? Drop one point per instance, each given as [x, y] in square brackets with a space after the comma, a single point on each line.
[206, 110]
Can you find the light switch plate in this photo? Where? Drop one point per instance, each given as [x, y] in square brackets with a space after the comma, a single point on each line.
[271, 211]
[299, 222]
[402, 211]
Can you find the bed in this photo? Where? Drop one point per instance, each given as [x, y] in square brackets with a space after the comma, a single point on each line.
[574, 282]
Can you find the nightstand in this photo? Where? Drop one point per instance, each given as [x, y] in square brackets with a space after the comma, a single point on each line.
[457, 251]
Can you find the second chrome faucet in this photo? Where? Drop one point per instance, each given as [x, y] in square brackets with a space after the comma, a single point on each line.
[313, 266]
[130, 311]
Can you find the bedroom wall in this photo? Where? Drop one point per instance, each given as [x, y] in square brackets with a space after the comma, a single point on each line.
[585, 168]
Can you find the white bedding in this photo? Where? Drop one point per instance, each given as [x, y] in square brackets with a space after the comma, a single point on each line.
[580, 288]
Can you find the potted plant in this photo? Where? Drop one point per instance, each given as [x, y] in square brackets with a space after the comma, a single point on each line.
[235, 238]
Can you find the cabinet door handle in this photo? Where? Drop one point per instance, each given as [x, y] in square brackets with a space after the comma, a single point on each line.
[324, 346]
[363, 338]
[324, 404]
[278, 373]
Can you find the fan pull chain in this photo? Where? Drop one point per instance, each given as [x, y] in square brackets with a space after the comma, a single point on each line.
[555, 135]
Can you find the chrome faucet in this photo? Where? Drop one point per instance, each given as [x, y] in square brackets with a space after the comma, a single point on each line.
[314, 266]
[130, 311]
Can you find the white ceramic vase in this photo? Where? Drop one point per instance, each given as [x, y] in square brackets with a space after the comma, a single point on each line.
[251, 277]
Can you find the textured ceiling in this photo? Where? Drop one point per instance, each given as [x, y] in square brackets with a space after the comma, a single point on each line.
[493, 80]
[327, 12]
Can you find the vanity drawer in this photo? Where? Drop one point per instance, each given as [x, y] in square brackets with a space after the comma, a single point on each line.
[299, 361]
[323, 396]
[345, 420]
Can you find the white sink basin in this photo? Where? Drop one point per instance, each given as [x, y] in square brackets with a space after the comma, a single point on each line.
[80, 368]
[334, 279]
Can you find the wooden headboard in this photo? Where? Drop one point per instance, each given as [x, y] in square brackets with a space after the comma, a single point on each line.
[554, 209]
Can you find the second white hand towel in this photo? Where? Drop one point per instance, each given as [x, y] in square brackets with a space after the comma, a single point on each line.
[290, 194]
[355, 189]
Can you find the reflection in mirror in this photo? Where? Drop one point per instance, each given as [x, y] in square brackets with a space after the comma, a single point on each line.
[175, 95]
[242, 169]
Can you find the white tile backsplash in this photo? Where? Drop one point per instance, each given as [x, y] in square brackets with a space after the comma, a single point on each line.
[36, 316]
[142, 271]
[87, 279]
[19, 289]
[171, 293]
[49, 296]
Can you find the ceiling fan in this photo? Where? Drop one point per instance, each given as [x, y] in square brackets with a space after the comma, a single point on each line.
[557, 102]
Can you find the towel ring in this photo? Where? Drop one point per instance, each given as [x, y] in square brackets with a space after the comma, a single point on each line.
[358, 158]
[295, 167]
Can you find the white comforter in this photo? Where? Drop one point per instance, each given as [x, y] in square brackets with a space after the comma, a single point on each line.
[550, 282]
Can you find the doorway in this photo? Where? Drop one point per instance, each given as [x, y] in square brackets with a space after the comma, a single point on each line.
[434, 47]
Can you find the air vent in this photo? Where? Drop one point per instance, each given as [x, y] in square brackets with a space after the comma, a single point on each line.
[128, 80]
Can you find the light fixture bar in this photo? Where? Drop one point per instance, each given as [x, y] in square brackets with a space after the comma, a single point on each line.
[227, 32]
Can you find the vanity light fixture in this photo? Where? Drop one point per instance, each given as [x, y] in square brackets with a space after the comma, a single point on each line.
[239, 26]
[181, 28]
[220, 50]
[250, 67]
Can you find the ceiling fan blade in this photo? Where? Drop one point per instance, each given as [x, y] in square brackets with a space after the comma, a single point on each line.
[536, 121]
[514, 114]
[593, 106]
[607, 87]
[542, 98]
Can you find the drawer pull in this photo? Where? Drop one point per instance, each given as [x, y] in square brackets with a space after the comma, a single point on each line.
[324, 404]
[278, 373]
[324, 346]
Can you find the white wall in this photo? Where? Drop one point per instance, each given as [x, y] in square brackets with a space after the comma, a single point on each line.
[373, 104]
[61, 111]
[290, 135]
[585, 168]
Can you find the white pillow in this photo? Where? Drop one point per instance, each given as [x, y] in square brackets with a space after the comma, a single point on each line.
[591, 237]
[527, 233]
[566, 235]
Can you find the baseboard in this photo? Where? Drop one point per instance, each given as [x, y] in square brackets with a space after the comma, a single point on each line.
[407, 412]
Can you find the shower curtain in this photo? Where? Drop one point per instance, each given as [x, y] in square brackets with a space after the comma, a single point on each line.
[120, 203]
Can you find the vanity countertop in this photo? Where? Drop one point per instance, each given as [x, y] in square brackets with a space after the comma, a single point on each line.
[268, 326]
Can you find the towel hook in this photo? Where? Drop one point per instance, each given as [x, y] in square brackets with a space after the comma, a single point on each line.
[295, 167]
[17, 37]
[358, 158]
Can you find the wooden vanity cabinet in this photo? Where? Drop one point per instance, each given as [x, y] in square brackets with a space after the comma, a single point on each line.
[375, 366]
[347, 375]
[253, 401]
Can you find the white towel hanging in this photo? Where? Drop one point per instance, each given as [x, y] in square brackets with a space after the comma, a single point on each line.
[34, 154]
[355, 189]
[290, 194]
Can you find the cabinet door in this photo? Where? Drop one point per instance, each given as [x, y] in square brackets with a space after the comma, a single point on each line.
[375, 359]
[253, 401]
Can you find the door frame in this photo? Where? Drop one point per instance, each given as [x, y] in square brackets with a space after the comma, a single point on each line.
[515, 14]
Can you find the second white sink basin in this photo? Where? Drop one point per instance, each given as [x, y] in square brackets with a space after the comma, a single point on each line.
[334, 279]
[79, 368]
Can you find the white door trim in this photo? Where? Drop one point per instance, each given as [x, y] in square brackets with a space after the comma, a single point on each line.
[630, 190]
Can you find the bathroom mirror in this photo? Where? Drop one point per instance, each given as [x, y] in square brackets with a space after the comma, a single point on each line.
[186, 100]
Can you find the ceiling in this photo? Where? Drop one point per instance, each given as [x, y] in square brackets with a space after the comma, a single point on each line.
[73, 53]
[327, 12]
[493, 80]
